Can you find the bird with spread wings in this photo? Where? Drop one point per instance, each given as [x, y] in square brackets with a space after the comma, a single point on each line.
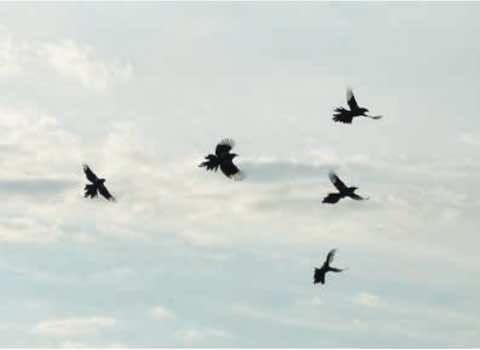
[346, 116]
[96, 185]
[319, 273]
[343, 190]
[223, 158]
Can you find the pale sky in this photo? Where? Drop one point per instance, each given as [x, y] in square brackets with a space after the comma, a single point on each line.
[186, 258]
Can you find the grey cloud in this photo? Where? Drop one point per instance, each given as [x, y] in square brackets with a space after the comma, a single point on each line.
[35, 187]
[286, 171]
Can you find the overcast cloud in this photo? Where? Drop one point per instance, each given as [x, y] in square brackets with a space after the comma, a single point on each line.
[187, 258]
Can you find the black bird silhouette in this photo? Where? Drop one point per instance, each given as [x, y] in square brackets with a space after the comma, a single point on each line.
[346, 116]
[319, 275]
[97, 185]
[343, 190]
[223, 159]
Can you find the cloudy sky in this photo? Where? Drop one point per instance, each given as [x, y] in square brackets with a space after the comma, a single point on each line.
[187, 258]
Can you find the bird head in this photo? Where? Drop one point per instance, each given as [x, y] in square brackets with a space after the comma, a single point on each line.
[233, 155]
[101, 180]
[354, 188]
[364, 110]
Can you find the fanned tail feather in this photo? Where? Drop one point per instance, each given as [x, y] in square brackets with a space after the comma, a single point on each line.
[90, 191]
[342, 115]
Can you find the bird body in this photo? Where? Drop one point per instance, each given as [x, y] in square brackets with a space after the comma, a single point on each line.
[319, 273]
[97, 185]
[346, 116]
[343, 190]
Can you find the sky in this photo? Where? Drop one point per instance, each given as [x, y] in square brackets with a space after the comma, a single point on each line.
[185, 258]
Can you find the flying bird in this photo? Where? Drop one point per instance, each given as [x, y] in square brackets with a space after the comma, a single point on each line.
[346, 116]
[319, 275]
[223, 159]
[97, 185]
[343, 190]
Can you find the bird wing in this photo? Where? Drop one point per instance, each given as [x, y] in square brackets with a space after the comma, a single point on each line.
[334, 269]
[358, 198]
[332, 198]
[319, 276]
[89, 173]
[104, 192]
[231, 170]
[224, 147]
[337, 182]
[352, 103]
[330, 256]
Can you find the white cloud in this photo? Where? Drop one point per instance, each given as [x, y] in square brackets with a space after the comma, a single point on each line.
[368, 300]
[73, 344]
[470, 139]
[194, 336]
[10, 55]
[287, 319]
[68, 58]
[21, 229]
[80, 62]
[35, 144]
[71, 327]
[202, 239]
[161, 313]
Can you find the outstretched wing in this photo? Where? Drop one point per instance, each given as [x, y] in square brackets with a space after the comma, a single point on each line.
[319, 276]
[89, 173]
[330, 256]
[332, 198]
[352, 103]
[358, 198]
[231, 170]
[224, 147]
[337, 182]
[104, 192]
[334, 269]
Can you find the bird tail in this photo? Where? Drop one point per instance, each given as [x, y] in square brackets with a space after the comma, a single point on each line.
[90, 191]
[211, 163]
[342, 115]
[340, 110]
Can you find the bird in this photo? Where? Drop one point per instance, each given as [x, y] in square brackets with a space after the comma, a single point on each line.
[343, 190]
[97, 185]
[223, 159]
[346, 116]
[319, 274]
